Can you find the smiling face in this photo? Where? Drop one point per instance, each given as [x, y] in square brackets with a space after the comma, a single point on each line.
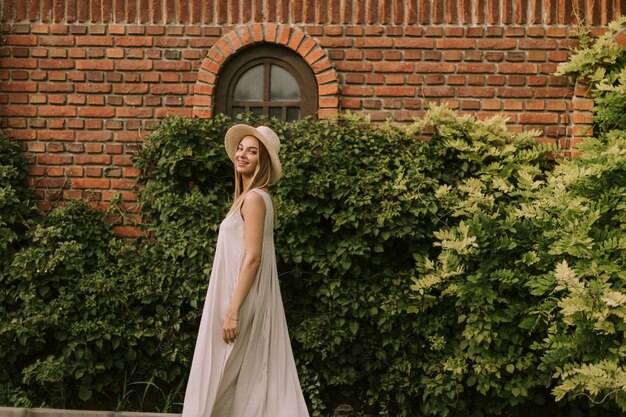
[247, 156]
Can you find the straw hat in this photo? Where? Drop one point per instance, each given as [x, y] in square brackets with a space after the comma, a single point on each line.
[265, 135]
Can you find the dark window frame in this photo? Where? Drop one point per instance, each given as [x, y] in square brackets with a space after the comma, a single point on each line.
[267, 54]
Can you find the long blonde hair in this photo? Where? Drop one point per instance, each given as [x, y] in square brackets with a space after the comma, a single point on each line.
[260, 179]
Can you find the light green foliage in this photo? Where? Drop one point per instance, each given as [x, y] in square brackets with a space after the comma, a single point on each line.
[601, 63]
[587, 347]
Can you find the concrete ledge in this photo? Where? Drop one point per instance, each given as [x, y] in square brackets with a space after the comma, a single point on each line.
[51, 412]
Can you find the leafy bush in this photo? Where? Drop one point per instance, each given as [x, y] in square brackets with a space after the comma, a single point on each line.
[500, 286]
[17, 204]
[601, 63]
[94, 321]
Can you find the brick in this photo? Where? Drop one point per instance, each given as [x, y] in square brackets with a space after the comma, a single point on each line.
[88, 183]
[169, 89]
[435, 79]
[473, 55]
[92, 159]
[56, 64]
[558, 56]
[549, 92]
[61, 135]
[475, 92]
[582, 104]
[491, 104]
[57, 40]
[26, 63]
[456, 80]
[36, 147]
[123, 184]
[536, 56]
[475, 68]
[16, 110]
[172, 66]
[538, 118]
[54, 159]
[54, 172]
[393, 67]
[470, 105]
[133, 113]
[537, 44]
[437, 92]
[91, 136]
[373, 42]
[535, 105]
[455, 43]
[436, 67]
[414, 43]
[395, 91]
[495, 43]
[476, 80]
[374, 79]
[350, 90]
[131, 172]
[94, 41]
[516, 80]
[537, 80]
[556, 106]
[519, 92]
[57, 111]
[122, 160]
[99, 112]
[432, 55]
[536, 32]
[26, 87]
[133, 65]
[132, 41]
[20, 40]
[102, 65]
[511, 68]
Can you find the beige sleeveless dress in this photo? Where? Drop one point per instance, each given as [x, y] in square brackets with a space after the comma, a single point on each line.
[255, 376]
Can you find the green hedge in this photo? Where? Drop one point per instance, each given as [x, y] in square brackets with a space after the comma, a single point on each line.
[419, 277]
[468, 274]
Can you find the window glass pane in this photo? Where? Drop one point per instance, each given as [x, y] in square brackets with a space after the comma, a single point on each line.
[236, 111]
[276, 112]
[293, 113]
[257, 110]
[282, 85]
[250, 85]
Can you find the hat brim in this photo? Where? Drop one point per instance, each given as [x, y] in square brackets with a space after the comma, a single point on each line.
[237, 132]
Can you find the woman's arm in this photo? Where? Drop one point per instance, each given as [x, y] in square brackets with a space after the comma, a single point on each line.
[253, 213]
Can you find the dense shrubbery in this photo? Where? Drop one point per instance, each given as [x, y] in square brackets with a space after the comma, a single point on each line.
[469, 274]
[601, 63]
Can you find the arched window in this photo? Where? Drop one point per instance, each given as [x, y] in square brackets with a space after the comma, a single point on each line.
[267, 80]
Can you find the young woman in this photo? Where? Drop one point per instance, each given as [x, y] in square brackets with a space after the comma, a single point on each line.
[243, 365]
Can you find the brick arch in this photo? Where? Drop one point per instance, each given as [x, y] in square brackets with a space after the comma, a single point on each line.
[247, 35]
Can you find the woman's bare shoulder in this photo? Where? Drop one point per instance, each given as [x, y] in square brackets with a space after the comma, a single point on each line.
[252, 203]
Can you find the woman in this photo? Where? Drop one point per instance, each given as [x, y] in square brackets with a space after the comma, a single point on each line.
[243, 365]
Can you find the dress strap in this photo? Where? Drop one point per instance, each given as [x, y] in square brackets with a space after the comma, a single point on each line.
[260, 191]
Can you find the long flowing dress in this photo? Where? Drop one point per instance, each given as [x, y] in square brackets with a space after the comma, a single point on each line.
[255, 376]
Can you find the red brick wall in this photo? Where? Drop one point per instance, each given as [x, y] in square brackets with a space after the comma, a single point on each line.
[82, 81]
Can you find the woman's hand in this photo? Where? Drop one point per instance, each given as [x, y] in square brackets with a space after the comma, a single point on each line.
[230, 330]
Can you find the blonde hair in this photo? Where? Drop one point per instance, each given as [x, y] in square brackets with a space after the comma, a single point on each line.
[260, 179]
